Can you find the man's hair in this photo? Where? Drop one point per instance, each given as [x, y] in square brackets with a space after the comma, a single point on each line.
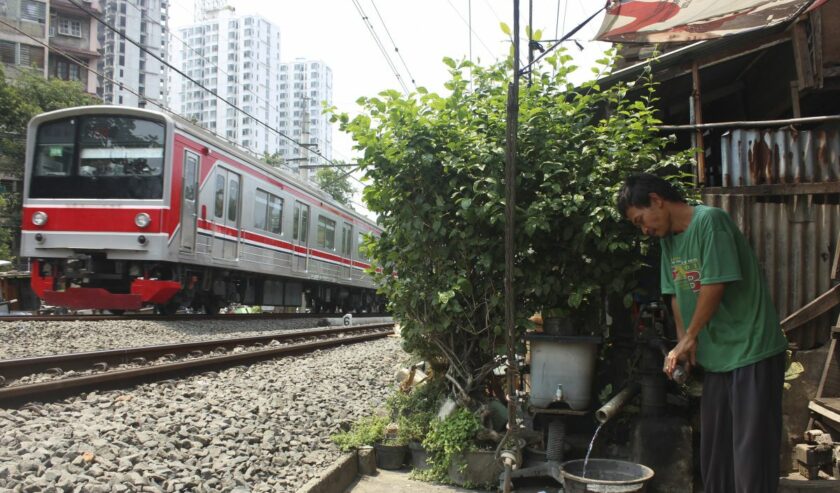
[637, 189]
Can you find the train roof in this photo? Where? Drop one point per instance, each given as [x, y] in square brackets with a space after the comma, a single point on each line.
[202, 133]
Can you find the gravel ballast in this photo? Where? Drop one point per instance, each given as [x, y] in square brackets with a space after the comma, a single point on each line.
[264, 427]
[26, 339]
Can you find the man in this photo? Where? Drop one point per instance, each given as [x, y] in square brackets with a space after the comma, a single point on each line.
[732, 331]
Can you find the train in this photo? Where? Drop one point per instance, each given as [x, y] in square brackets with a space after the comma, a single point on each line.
[125, 208]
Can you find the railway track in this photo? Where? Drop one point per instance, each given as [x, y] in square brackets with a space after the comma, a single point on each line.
[182, 317]
[122, 367]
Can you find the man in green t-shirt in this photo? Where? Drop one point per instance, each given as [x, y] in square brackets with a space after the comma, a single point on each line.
[727, 324]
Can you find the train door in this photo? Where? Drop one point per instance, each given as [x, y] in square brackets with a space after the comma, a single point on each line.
[226, 205]
[300, 237]
[347, 250]
[189, 205]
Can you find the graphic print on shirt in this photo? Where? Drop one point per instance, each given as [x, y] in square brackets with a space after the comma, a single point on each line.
[686, 274]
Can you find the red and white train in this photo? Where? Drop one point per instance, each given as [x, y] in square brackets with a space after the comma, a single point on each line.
[126, 207]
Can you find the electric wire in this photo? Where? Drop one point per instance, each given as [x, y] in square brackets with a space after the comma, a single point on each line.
[388, 32]
[379, 44]
[467, 23]
[565, 37]
[180, 72]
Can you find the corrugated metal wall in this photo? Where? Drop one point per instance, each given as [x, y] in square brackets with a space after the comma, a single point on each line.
[794, 236]
[785, 155]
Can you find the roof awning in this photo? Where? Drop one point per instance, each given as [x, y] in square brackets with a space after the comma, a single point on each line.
[651, 21]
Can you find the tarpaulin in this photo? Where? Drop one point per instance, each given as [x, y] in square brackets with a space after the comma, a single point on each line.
[639, 21]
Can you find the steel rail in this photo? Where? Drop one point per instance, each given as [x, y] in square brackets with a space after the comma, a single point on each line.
[14, 369]
[181, 317]
[55, 389]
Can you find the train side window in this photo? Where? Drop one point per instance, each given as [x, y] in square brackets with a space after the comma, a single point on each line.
[347, 239]
[233, 198]
[300, 223]
[275, 214]
[268, 212]
[326, 233]
[360, 241]
[219, 208]
[260, 207]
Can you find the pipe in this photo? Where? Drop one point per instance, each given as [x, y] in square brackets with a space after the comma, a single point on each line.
[756, 123]
[615, 404]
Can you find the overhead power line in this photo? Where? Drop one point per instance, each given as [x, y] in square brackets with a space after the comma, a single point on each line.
[413, 82]
[469, 27]
[180, 72]
[378, 42]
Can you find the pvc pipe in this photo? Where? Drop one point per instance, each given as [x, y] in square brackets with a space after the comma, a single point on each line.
[614, 405]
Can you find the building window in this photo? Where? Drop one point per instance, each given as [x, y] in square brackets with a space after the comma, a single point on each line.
[7, 52]
[326, 233]
[31, 10]
[31, 56]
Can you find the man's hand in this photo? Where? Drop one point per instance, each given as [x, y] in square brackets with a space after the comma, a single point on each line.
[685, 350]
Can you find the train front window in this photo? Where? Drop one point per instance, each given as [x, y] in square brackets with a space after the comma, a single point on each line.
[99, 157]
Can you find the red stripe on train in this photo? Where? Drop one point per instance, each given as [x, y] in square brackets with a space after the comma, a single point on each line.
[86, 219]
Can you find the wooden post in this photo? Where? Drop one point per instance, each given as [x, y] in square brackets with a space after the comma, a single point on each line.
[698, 119]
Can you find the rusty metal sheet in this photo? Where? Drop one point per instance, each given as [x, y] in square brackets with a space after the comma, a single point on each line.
[780, 156]
[794, 238]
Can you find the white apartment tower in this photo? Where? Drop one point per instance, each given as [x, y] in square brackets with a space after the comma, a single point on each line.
[237, 57]
[140, 78]
[304, 86]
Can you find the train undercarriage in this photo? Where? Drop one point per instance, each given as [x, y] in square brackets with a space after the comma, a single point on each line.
[91, 281]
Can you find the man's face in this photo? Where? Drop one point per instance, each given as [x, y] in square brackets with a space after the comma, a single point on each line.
[653, 220]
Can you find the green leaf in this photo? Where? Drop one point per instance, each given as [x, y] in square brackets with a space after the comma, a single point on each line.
[505, 28]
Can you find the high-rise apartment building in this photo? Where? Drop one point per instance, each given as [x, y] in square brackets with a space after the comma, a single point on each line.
[133, 69]
[238, 57]
[305, 85]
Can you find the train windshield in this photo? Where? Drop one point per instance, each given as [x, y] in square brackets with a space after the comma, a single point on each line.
[99, 157]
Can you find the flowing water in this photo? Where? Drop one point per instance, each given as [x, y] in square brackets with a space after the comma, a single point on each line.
[586, 461]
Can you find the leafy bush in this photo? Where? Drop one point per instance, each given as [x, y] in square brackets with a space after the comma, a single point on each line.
[449, 438]
[437, 170]
[366, 431]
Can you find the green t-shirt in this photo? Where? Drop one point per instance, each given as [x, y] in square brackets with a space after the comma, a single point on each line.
[745, 329]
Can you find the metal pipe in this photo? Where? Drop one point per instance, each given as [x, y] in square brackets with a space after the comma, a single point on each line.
[756, 123]
[614, 405]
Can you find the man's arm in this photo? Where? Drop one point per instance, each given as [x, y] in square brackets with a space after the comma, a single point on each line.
[707, 305]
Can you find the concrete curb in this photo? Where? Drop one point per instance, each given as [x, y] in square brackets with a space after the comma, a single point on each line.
[337, 478]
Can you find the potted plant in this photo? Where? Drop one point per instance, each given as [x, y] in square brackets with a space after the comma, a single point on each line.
[377, 432]
[413, 430]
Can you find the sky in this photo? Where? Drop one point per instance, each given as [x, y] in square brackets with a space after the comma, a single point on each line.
[424, 31]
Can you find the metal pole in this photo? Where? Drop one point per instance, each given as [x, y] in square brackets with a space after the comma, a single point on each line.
[755, 123]
[698, 119]
[510, 208]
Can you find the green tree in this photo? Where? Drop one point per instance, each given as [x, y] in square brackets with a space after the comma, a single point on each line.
[335, 182]
[437, 170]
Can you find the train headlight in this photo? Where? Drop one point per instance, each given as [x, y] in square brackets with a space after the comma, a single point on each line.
[39, 218]
[142, 220]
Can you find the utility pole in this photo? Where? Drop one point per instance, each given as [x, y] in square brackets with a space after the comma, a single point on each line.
[512, 127]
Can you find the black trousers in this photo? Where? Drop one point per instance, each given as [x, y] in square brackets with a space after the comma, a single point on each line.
[741, 428]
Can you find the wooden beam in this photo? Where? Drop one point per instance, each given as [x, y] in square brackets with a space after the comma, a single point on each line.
[777, 189]
[822, 304]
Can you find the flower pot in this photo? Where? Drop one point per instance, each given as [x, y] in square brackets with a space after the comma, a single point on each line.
[478, 467]
[419, 457]
[390, 456]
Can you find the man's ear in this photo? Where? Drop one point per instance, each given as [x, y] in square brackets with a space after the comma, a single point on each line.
[656, 201]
